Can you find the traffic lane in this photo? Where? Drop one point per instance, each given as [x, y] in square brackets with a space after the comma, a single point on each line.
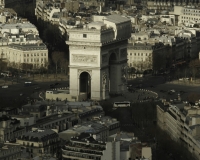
[167, 87]
[17, 89]
[146, 82]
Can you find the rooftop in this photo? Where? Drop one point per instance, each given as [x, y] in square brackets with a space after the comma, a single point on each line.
[116, 18]
[27, 46]
[39, 135]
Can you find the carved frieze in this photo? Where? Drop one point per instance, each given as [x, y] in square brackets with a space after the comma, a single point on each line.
[79, 58]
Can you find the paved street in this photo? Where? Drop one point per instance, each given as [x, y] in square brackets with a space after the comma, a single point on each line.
[19, 92]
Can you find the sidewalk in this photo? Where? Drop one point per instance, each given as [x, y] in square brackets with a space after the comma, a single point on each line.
[46, 78]
[35, 78]
[187, 83]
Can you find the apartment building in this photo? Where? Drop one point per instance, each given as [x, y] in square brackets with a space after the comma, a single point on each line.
[187, 15]
[159, 5]
[36, 109]
[181, 121]
[131, 147]
[45, 10]
[20, 44]
[86, 147]
[2, 3]
[111, 123]
[144, 56]
[25, 120]
[98, 131]
[100, 128]
[7, 15]
[84, 110]
[71, 5]
[9, 128]
[40, 141]
[60, 122]
[36, 55]
[10, 151]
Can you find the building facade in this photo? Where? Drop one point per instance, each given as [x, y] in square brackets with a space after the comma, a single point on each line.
[86, 147]
[182, 122]
[10, 129]
[10, 151]
[39, 142]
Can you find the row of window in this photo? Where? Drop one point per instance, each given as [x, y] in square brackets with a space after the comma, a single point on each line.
[35, 54]
[34, 60]
[187, 10]
[190, 18]
[139, 54]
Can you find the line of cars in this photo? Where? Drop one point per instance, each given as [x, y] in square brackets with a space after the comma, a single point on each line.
[6, 74]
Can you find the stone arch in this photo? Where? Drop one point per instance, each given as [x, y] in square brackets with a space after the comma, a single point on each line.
[85, 83]
[88, 71]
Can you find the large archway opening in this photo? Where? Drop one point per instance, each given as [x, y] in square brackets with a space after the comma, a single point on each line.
[112, 73]
[85, 84]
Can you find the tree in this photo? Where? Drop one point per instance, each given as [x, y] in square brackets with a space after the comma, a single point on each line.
[64, 65]
[192, 97]
[27, 67]
[56, 58]
[194, 65]
[3, 65]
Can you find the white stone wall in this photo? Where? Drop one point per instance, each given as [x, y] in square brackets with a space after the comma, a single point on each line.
[140, 59]
[112, 151]
[36, 57]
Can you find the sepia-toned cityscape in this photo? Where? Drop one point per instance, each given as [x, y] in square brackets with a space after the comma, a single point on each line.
[99, 79]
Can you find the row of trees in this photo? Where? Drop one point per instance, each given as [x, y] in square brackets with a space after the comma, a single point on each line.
[50, 34]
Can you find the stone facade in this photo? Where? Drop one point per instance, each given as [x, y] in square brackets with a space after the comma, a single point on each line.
[100, 50]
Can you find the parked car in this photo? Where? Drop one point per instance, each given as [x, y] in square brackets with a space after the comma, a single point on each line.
[6, 73]
[4, 86]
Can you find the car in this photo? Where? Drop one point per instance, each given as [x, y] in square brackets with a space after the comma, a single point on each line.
[36, 88]
[21, 94]
[6, 74]
[57, 84]
[4, 86]
[52, 85]
[172, 90]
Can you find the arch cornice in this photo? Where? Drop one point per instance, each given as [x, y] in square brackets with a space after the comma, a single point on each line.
[84, 70]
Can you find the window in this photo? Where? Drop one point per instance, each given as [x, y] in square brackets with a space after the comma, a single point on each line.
[141, 54]
[130, 54]
[84, 35]
[138, 54]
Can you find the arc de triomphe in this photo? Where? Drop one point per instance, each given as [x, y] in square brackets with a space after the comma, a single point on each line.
[98, 52]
